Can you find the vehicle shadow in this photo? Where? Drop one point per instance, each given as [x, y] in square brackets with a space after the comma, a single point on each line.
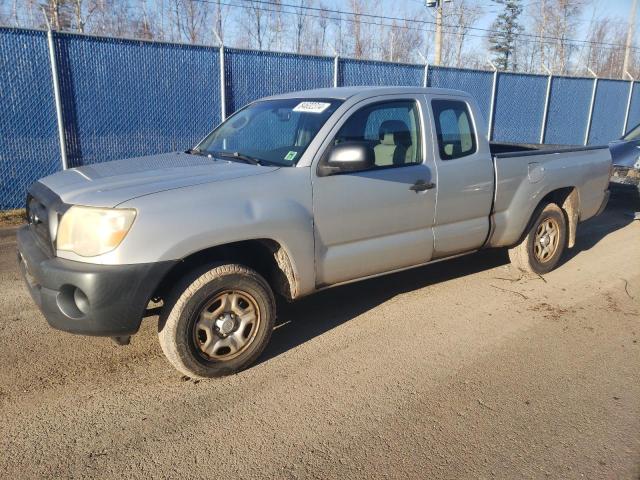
[309, 317]
[618, 214]
[305, 319]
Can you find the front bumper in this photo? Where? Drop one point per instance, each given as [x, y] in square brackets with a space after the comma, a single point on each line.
[85, 298]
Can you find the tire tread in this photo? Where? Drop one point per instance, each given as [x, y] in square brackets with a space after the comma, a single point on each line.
[171, 342]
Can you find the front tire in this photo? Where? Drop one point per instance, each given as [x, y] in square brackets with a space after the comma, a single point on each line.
[217, 323]
[541, 249]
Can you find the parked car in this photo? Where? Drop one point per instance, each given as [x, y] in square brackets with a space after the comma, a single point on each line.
[625, 154]
[290, 195]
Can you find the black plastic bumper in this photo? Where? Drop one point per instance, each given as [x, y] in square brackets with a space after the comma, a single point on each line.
[84, 298]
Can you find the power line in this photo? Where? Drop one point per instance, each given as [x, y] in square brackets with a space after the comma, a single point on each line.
[402, 19]
[536, 39]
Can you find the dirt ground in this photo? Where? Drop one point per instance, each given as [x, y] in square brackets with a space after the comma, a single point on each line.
[462, 369]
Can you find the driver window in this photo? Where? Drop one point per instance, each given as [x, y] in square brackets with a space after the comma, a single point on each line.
[390, 128]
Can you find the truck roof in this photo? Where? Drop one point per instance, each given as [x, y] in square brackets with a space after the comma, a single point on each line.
[343, 93]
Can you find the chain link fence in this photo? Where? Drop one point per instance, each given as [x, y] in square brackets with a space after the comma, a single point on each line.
[29, 146]
[252, 74]
[478, 83]
[634, 106]
[519, 107]
[569, 106]
[609, 110]
[353, 73]
[123, 98]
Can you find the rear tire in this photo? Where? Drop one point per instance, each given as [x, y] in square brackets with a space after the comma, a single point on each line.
[217, 323]
[541, 249]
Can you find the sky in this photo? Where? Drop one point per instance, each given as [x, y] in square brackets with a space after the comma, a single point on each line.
[617, 9]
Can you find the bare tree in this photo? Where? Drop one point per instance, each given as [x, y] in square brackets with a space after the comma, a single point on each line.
[323, 24]
[189, 18]
[360, 33]
[300, 23]
[563, 18]
[221, 15]
[338, 38]
[551, 27]
[358, 37]
[261, 27]
[399, 42]
[465, 16]
[258, 22]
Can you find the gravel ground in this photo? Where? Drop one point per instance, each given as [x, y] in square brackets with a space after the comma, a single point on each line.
[462, 369]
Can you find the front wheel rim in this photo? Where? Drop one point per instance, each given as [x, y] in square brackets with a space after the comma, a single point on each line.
[226, 325]
[547, 239]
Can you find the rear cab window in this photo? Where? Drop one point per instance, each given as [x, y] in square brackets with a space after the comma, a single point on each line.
[454, 129]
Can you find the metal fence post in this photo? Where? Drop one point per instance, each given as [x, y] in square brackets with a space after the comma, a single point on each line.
[545, 113]
[223, 86]
[56, 94]
[494, 88]
[425, 76]
[336, 65]
[626, 115]
[593, 101]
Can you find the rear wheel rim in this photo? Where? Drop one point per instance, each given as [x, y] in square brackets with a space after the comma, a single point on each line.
[226, 325]
[546, 240]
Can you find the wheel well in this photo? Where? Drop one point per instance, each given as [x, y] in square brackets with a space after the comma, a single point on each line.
[265, 256]
[567, 199]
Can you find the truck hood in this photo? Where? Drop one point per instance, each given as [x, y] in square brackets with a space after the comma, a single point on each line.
[111, 183]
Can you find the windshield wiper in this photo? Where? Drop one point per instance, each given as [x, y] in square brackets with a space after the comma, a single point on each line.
[238, 156]
[196, 151]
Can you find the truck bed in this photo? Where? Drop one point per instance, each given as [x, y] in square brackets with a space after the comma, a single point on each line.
[525, 173]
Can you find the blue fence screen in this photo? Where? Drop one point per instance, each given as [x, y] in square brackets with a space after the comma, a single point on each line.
[519, 108]
[251, 74]
[634, 108]
[124, 98]
[608, 111]
[569, 105]
[29, 146]
[360, 72]
[478, 83]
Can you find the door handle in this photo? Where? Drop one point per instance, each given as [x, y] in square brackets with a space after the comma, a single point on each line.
[422, 186]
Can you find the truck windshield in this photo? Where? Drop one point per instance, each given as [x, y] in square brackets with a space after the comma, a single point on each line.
[633, 134]
[269, 131]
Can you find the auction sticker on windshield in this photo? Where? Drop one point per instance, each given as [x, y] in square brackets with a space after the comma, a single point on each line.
[311, 107]
[291, 155]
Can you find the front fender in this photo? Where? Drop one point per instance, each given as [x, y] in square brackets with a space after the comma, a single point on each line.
[174, 224]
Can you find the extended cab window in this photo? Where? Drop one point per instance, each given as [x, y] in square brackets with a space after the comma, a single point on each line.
[392, 129]
[454, 129]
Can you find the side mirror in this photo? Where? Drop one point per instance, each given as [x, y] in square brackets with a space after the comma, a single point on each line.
[347, 157]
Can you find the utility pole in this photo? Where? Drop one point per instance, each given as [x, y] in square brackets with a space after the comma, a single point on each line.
[630, 33]
[438, 52]
[437, 4]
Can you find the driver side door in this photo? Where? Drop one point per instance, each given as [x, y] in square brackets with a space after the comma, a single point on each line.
[379, 219]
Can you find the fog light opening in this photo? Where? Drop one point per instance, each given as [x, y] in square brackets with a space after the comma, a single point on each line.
[81, 300]
[73, 302]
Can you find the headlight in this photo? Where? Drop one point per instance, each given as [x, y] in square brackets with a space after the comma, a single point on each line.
[90, 231]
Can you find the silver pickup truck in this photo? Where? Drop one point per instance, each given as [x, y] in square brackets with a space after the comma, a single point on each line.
[292, 194]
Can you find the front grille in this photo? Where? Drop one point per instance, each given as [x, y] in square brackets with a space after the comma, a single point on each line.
[38, 220]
